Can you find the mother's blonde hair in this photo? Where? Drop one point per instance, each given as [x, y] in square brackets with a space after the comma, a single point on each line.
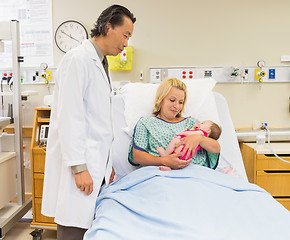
[164, 89]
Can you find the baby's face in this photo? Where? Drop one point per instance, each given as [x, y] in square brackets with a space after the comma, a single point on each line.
[205, 126]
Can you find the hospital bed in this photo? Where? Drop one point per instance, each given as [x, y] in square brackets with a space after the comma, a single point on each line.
[190, 203]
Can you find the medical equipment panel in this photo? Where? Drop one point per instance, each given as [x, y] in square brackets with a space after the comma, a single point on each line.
[44, 133]
[229, 74]
[38, 75]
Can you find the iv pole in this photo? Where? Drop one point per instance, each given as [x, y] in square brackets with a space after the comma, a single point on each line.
[10, 31]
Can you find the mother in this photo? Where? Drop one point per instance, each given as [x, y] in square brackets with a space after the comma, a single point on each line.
[167, 121]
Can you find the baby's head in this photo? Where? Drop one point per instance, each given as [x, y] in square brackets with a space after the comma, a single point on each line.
[213, 130]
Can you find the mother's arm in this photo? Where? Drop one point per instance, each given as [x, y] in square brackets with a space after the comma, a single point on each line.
[191, 142]
[171, 160]
[209, 144]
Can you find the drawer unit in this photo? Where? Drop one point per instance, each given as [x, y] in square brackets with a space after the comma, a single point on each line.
[284, 201]
[38, 184]
[38, 216]
[268, 162]
[278, 184]
[267, 171]
[37, 170]
[38, 159]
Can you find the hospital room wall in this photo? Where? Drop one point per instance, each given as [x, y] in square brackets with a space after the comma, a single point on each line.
[204, 33]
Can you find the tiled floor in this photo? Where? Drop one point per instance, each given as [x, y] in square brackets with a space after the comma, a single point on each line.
[22, 230]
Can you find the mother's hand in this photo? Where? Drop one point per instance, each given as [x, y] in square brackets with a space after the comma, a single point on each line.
[174, 162]
[190, 144]
[171, 161]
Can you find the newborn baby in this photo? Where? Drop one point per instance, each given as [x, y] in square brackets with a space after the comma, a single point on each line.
[207, 128]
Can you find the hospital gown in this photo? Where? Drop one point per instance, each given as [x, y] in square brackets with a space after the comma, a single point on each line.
[152, 132]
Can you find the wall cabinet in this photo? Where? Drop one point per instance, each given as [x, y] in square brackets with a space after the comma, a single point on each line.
[38, 151]
[267, 171]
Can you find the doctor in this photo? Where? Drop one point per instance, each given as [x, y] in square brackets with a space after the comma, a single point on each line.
[80, 132]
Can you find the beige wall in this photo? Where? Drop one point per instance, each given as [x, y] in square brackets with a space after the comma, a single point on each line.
[204, 33]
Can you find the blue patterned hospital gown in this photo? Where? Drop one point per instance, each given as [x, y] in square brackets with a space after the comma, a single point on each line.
[153, 132]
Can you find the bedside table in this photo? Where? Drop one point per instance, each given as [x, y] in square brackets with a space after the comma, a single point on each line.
[267, 171]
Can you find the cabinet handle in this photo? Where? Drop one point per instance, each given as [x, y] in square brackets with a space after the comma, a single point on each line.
[281, 155]
[276, 171]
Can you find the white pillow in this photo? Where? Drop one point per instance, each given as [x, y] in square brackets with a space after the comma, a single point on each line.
[139, 101]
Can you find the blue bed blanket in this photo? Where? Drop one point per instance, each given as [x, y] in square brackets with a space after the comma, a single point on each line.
[191, 203]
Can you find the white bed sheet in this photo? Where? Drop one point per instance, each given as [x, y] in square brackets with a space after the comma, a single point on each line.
[230, 159]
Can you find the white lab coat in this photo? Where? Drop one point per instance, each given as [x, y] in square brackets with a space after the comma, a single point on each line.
[80, 132]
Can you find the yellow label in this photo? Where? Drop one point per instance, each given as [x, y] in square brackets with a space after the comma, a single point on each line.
[49, 75]
[122, 62]
[256, 74]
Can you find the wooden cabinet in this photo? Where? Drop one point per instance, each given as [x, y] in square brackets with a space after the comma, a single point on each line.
[267, 171]
[42, 116]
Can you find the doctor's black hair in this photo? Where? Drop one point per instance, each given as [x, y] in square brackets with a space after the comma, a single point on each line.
[113, 15]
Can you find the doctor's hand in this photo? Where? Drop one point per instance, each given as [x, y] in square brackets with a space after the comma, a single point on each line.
[84, 182]
[174, 162]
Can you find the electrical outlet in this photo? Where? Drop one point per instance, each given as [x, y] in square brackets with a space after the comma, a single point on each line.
[155, 75]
